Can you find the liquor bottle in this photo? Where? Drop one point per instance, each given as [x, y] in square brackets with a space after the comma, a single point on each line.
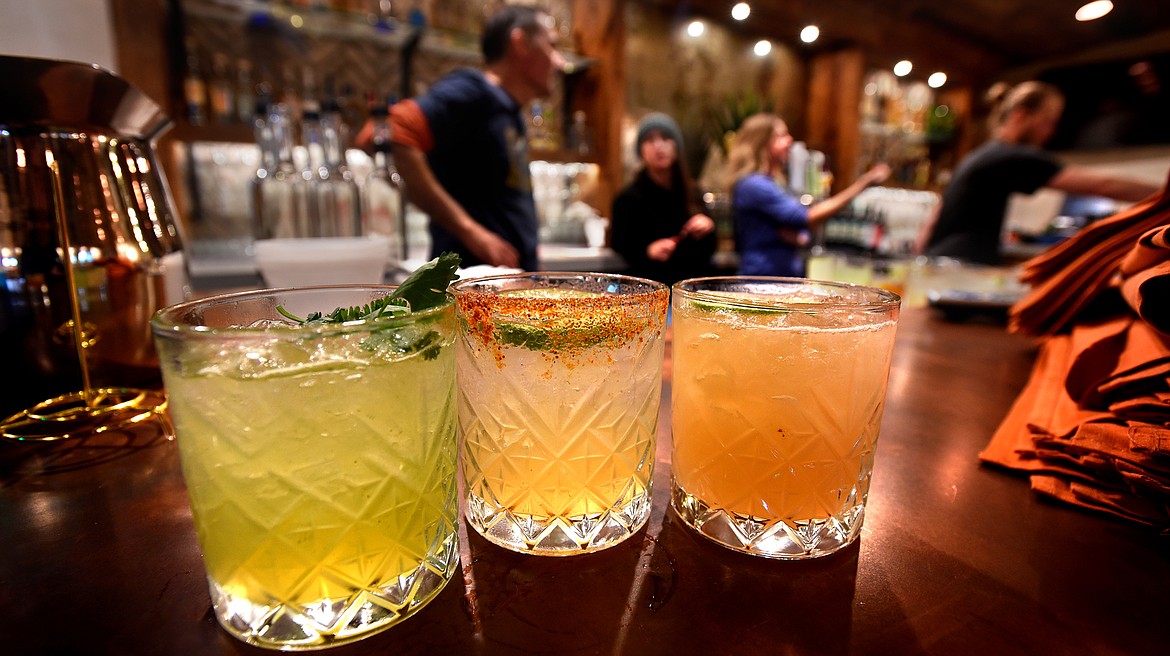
[537, 130]
[291, 97]
[797, 167]
[383, 188]
[280, 205]
[311, 165]
[222, 94]
[246, 98]
[336, 199]
[579, 140]
[194, 87]
[552, 132]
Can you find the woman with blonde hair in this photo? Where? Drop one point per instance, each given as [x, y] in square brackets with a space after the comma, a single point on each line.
[771, 225]
[968, 222]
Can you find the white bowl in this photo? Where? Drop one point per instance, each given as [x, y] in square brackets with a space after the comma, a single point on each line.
[322, 260]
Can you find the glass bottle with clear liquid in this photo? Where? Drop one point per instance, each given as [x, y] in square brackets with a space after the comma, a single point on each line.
[279, 193]
[335, 209]
[383, 189]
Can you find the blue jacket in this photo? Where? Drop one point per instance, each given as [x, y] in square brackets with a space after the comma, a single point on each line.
[767, 221]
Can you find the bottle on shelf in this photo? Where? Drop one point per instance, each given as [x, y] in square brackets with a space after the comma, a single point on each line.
[383, 193]
[246, 97]
[194, 87]
[349, 110]
[335, 207]
[579, 140]
[291, 97]
[279, 208]
[552, 135]
[222, 93]
[538, 129]
[797, 167]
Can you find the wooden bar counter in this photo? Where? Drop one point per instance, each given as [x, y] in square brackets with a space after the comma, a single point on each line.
[98, 554]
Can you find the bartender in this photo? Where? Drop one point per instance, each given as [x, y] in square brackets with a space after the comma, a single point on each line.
[462, 147]
[968, 222]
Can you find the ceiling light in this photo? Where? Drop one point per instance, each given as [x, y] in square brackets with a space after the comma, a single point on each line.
[1094, 10]
[903, 68]
[741, 11]
[696, 29]
[763, 47]
[810, 33]
[936, 80]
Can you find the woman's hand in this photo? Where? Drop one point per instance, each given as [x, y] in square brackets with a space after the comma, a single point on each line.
[660, 250]
[877, 174]
[697, 227]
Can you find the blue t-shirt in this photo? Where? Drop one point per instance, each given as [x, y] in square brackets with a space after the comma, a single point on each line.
[767, 222]
[480, 156]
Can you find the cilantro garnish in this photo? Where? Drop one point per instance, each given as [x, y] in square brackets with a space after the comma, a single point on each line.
[424, 289]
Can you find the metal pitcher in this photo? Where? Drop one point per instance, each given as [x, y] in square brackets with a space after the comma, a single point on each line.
[90, 248]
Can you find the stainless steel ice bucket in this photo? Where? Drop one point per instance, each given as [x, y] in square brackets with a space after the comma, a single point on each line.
[90, 248]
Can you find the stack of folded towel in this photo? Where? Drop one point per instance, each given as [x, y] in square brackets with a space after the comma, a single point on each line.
[1092, 425]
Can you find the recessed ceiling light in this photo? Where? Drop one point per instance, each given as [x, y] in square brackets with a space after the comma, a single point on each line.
[696, 28]
[903, 68]
[741, 11]
[1094, 10]
[936, 80]
[810, 33]
[763, 47]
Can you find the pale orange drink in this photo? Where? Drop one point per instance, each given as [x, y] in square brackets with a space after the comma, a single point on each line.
[560, 379]
[777, 393]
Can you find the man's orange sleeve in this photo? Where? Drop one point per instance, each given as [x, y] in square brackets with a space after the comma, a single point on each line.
[410, 126]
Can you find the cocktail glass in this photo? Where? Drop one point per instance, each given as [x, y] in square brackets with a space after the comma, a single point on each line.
[777, 392]
[320, 460]
[560, 379]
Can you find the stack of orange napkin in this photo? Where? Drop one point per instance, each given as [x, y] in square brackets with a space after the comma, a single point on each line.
[1092, 425]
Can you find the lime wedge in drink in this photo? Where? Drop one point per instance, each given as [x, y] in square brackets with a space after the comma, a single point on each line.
[558, 318]
[743, 303]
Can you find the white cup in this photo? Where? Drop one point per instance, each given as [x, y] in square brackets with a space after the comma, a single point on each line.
[322, 261]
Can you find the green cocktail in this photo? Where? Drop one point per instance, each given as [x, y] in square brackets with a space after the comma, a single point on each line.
[319, 459]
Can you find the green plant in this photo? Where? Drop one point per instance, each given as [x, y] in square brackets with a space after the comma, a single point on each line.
[723, 120]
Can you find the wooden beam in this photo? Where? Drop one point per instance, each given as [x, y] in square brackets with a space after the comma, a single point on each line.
[834, 111]
[599, 33]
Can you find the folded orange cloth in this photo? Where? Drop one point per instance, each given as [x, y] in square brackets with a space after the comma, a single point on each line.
[1089, 458]
[1092, 425]
[1058, 258]
[1151, 409]
[1152, 248]
[1148, 293]
[1146, 439]
[1106, 446]
[1011, 445]
[1068, 279]
[1098, 469]
[1043, 408]
[1096, 350]
[1115, 503]
[1145, 274]
[1116, 359]
[1149, 380]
